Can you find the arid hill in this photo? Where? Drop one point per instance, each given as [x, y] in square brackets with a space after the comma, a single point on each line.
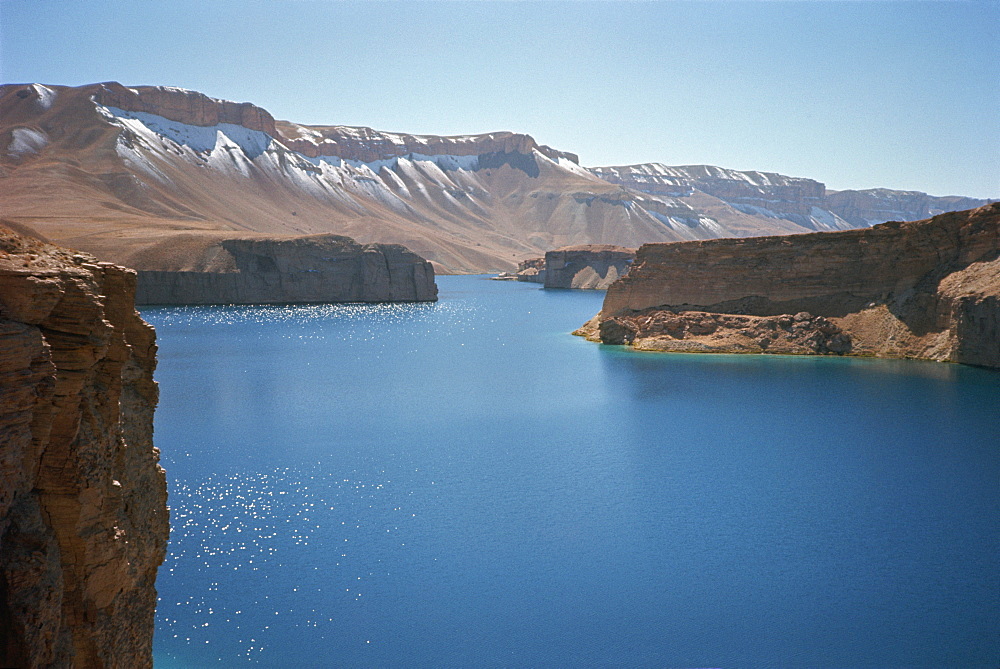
[122, 172]
[153, 177]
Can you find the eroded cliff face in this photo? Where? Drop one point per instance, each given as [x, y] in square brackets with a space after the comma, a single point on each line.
[319, 268]
[184, 106]
[83, 516]
[927, 289]
[586, 267]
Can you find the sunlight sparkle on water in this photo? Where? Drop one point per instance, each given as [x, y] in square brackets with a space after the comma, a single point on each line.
[233, 534]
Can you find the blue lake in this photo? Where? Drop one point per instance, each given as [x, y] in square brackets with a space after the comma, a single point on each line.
[464, 484]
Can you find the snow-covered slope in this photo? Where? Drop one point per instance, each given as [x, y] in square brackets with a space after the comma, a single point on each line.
[803, 203]
[153, 177]
[761, 195]
[146, 172]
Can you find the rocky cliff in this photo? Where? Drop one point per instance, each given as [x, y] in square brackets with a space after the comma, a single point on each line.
[124, 168]
[184, 106]
[83, 516]
[925, 289]
[320, 268]
[587, 267]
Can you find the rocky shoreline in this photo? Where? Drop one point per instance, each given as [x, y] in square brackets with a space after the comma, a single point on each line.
[928, 289]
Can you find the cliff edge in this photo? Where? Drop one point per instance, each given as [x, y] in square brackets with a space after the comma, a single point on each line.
[927, 289]
[83, 515]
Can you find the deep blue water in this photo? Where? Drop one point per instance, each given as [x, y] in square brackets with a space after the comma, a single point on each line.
[465, 485]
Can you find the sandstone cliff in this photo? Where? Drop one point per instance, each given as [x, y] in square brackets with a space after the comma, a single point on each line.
[927, 289]
[184, 106]
[320, 268]
[83, 516]
[588, 267]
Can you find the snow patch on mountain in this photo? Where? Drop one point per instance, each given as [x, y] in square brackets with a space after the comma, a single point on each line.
[696, 227]
[371, 138]
[26, 140]
[564, 163]
[828, 220]
[150, 142]
[46, 96]
[444, 161]
[200, 139]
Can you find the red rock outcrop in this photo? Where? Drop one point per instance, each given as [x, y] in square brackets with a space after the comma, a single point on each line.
[184, 106]
[926, 289]
[83, 516]
[587, 266]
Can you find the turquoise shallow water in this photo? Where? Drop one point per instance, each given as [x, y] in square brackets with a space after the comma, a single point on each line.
[464, 484]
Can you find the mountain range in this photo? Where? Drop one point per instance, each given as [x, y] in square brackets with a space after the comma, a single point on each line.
[156, 178]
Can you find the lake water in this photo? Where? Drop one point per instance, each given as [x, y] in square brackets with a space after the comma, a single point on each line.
[464, 484]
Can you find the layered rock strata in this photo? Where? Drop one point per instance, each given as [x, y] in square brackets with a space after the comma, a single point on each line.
[587, 267]
[927, 289]
[184, 106]
[320, 268]
[788, 196]
[124, 168]
[83, 516]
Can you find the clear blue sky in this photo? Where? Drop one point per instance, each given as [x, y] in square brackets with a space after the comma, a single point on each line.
[856, 94]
